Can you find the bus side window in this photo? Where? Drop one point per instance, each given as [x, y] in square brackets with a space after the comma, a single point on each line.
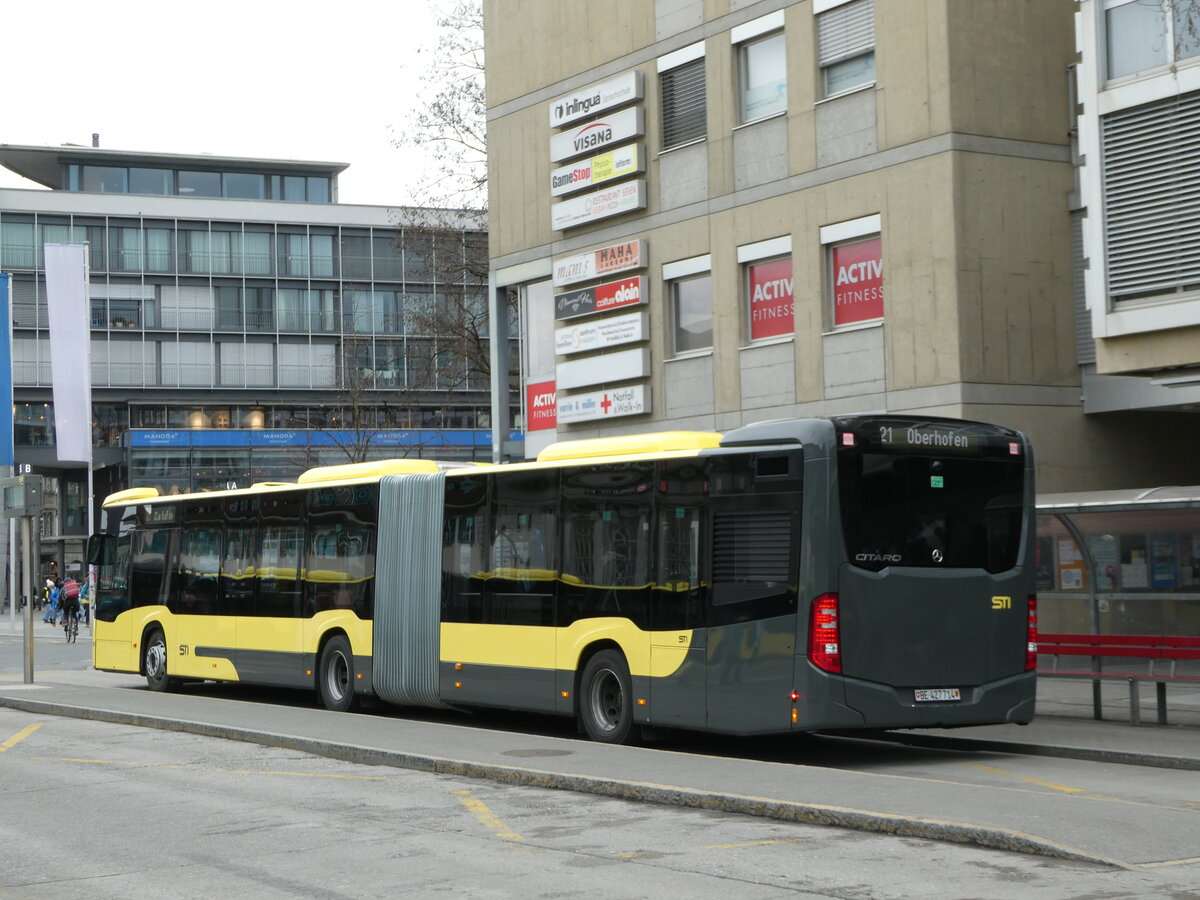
[149, 556]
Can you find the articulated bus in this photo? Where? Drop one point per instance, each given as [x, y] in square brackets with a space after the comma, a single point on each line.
[787, 576]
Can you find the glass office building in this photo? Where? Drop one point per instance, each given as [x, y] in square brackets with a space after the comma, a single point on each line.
[245, 326]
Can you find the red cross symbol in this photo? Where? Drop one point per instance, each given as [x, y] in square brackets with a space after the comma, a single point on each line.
[605, 404]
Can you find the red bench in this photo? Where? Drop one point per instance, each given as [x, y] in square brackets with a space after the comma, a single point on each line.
[1158, 650]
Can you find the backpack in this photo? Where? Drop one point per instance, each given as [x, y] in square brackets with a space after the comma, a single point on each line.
[70, 590]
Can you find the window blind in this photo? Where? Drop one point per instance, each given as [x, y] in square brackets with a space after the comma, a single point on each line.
[683, 103]
[845, 31]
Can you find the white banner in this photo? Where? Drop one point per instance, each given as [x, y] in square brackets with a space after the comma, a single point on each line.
[70, 349]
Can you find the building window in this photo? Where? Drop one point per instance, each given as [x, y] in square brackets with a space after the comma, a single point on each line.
[762, 75]
[689, 293]
[1152, 213]
[768, 288]
[854, 253]
[845, 44]
[684, 103]
[151, 181]
[105, 179]
[1147, 34]
[199, 184]
[244, 186]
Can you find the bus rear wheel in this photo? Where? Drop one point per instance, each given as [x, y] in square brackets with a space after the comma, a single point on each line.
[335, 675]
[154, 662]
[606, 699]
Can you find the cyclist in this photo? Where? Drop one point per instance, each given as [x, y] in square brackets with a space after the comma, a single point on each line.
[68, 601]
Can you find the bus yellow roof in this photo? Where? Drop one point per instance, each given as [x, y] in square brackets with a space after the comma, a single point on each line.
[630, 445]
[129, 495]
[374, 469]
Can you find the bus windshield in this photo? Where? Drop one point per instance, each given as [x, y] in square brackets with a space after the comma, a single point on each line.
[915, 508]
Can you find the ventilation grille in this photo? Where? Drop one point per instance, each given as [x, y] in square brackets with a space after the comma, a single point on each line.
[751, 546]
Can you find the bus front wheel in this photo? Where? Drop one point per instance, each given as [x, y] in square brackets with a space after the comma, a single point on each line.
[606, 698]
[154, 661]
[335, 675]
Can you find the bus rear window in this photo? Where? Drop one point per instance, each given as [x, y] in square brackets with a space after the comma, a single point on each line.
[941, 512]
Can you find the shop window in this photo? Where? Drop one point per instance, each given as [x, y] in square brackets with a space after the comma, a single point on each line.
[854, 262]
[767, 286]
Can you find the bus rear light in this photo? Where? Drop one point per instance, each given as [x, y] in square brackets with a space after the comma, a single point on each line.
[1031, 638]
[824, 647]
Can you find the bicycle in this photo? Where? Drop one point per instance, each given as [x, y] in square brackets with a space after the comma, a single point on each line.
[71, 627]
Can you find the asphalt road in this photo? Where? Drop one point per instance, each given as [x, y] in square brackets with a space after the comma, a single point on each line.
[176, 815]
[1135, 823]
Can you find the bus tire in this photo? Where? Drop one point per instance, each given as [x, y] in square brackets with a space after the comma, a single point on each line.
[154, 663]
[335, 675]
[606, 699]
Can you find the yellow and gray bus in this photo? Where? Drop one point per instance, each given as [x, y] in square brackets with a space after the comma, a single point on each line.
[870, 571]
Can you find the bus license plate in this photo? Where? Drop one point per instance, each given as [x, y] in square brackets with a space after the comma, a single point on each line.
[933, 695]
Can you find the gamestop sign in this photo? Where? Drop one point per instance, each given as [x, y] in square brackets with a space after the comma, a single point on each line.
[541, 406]
[771, 305]
[858, 282]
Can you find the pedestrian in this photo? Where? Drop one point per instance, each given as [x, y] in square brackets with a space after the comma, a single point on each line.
[49, 594]
[42, 599]
[55, 600]
[85, 598]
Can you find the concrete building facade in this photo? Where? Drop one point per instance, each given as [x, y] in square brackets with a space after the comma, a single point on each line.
[716, 212]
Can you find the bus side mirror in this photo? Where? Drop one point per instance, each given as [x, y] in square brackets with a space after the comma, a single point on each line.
[98, 549]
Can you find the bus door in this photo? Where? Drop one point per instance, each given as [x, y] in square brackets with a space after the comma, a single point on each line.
[200, 638]
[260, 573]
[751, 609]
[678, 641]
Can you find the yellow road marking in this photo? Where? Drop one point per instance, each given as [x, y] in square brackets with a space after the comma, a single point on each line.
[1052, 785]
[145, 765]
[1169, 862]
[486, 817]
[19, 736]
[752, 844]
[1037, 781]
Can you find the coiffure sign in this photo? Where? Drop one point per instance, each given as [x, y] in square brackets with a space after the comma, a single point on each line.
[617, 163]
[858, 282]
[597, 263]
[599, 298]
[595, 98]
[603, 132]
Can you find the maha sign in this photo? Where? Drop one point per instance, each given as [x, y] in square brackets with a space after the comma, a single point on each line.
[858, 282]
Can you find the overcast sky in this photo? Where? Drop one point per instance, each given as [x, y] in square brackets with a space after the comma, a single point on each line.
[294, 80]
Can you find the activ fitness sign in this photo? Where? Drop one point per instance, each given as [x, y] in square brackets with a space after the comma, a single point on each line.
[772, 310]
[857, 282]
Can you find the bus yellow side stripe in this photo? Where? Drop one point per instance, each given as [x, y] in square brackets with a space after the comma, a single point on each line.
[537, 647]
